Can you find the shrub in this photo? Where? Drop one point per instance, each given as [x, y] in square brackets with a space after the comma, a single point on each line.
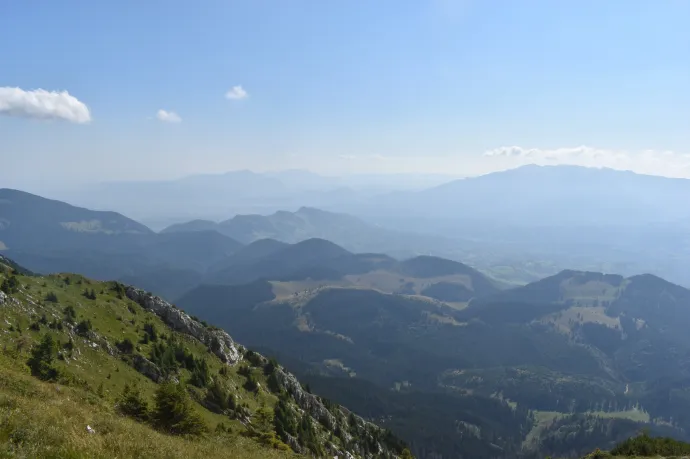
[173, 412]
[51, 297]
[132, 404]
[270, 366]
[644, 445]
[201, 376]
[119, 290]
[125, 346]
[89, 294]
[70, 313]
[273, 383]
[262, 427]
[42, 358]
[10, 285]
[253, 358]
[218, 398]
[83, 327]
[150, 333]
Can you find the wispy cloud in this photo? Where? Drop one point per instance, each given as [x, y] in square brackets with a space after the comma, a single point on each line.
[236, 93]
[168, 117]
[42, 104]
[347, 157]
[661, 162]
[554, 154]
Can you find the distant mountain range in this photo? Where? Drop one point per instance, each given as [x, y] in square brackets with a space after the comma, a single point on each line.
[542, 219]
[51, 236]
[417, 341]
[218, 196]
[352, 233]
[545, 196]
[503, 223]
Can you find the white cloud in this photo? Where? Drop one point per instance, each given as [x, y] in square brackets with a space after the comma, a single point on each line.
[168, 117]
[656, 162]
[237, 93]
[43, 104]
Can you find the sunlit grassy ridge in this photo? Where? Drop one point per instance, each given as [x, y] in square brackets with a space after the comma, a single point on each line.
[98, 333]
[48, 420]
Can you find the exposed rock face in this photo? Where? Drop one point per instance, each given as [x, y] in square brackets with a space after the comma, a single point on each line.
[3, 298]
[218, 341]
[147, 368]
[312, 404]
[308, 402]
[222, 345]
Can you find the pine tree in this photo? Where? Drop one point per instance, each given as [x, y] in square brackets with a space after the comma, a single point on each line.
[132, 404]
[262, 426]
[10, 285]
[42, 358]
[52, 297]
[173, 412]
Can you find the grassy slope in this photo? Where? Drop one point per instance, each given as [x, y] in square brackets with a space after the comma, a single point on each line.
[43, 420]
[41, 407]
[49, 420]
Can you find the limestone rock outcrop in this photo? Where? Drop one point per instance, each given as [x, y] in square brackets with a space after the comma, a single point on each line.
[218, 341]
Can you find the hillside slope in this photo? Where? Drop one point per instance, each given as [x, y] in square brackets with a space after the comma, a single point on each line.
[318, 263]
[28, 221]
[51, 236]
[107, 351]
[560, 351]
[348, 231]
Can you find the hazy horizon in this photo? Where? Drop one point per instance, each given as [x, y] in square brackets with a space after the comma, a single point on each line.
[459, 88]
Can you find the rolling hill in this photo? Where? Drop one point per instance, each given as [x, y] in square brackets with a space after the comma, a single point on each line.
[46, 236]
[574, 349]
[345, 230]
[313, 263]
[100, 369]
[31, 222]
[51, 236]
[506, 224]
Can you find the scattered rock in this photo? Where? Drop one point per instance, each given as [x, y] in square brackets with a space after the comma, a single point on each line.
[3, 298]
[90, 430]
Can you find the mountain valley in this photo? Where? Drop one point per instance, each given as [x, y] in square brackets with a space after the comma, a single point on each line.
[456, 361]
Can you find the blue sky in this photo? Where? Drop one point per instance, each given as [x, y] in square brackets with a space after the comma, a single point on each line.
[458, 87]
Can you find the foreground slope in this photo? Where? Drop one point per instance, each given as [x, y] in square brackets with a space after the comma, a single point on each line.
[97, 344]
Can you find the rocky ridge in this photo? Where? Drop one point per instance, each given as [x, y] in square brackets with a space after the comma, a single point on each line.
[217, 340]
[225, 348]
